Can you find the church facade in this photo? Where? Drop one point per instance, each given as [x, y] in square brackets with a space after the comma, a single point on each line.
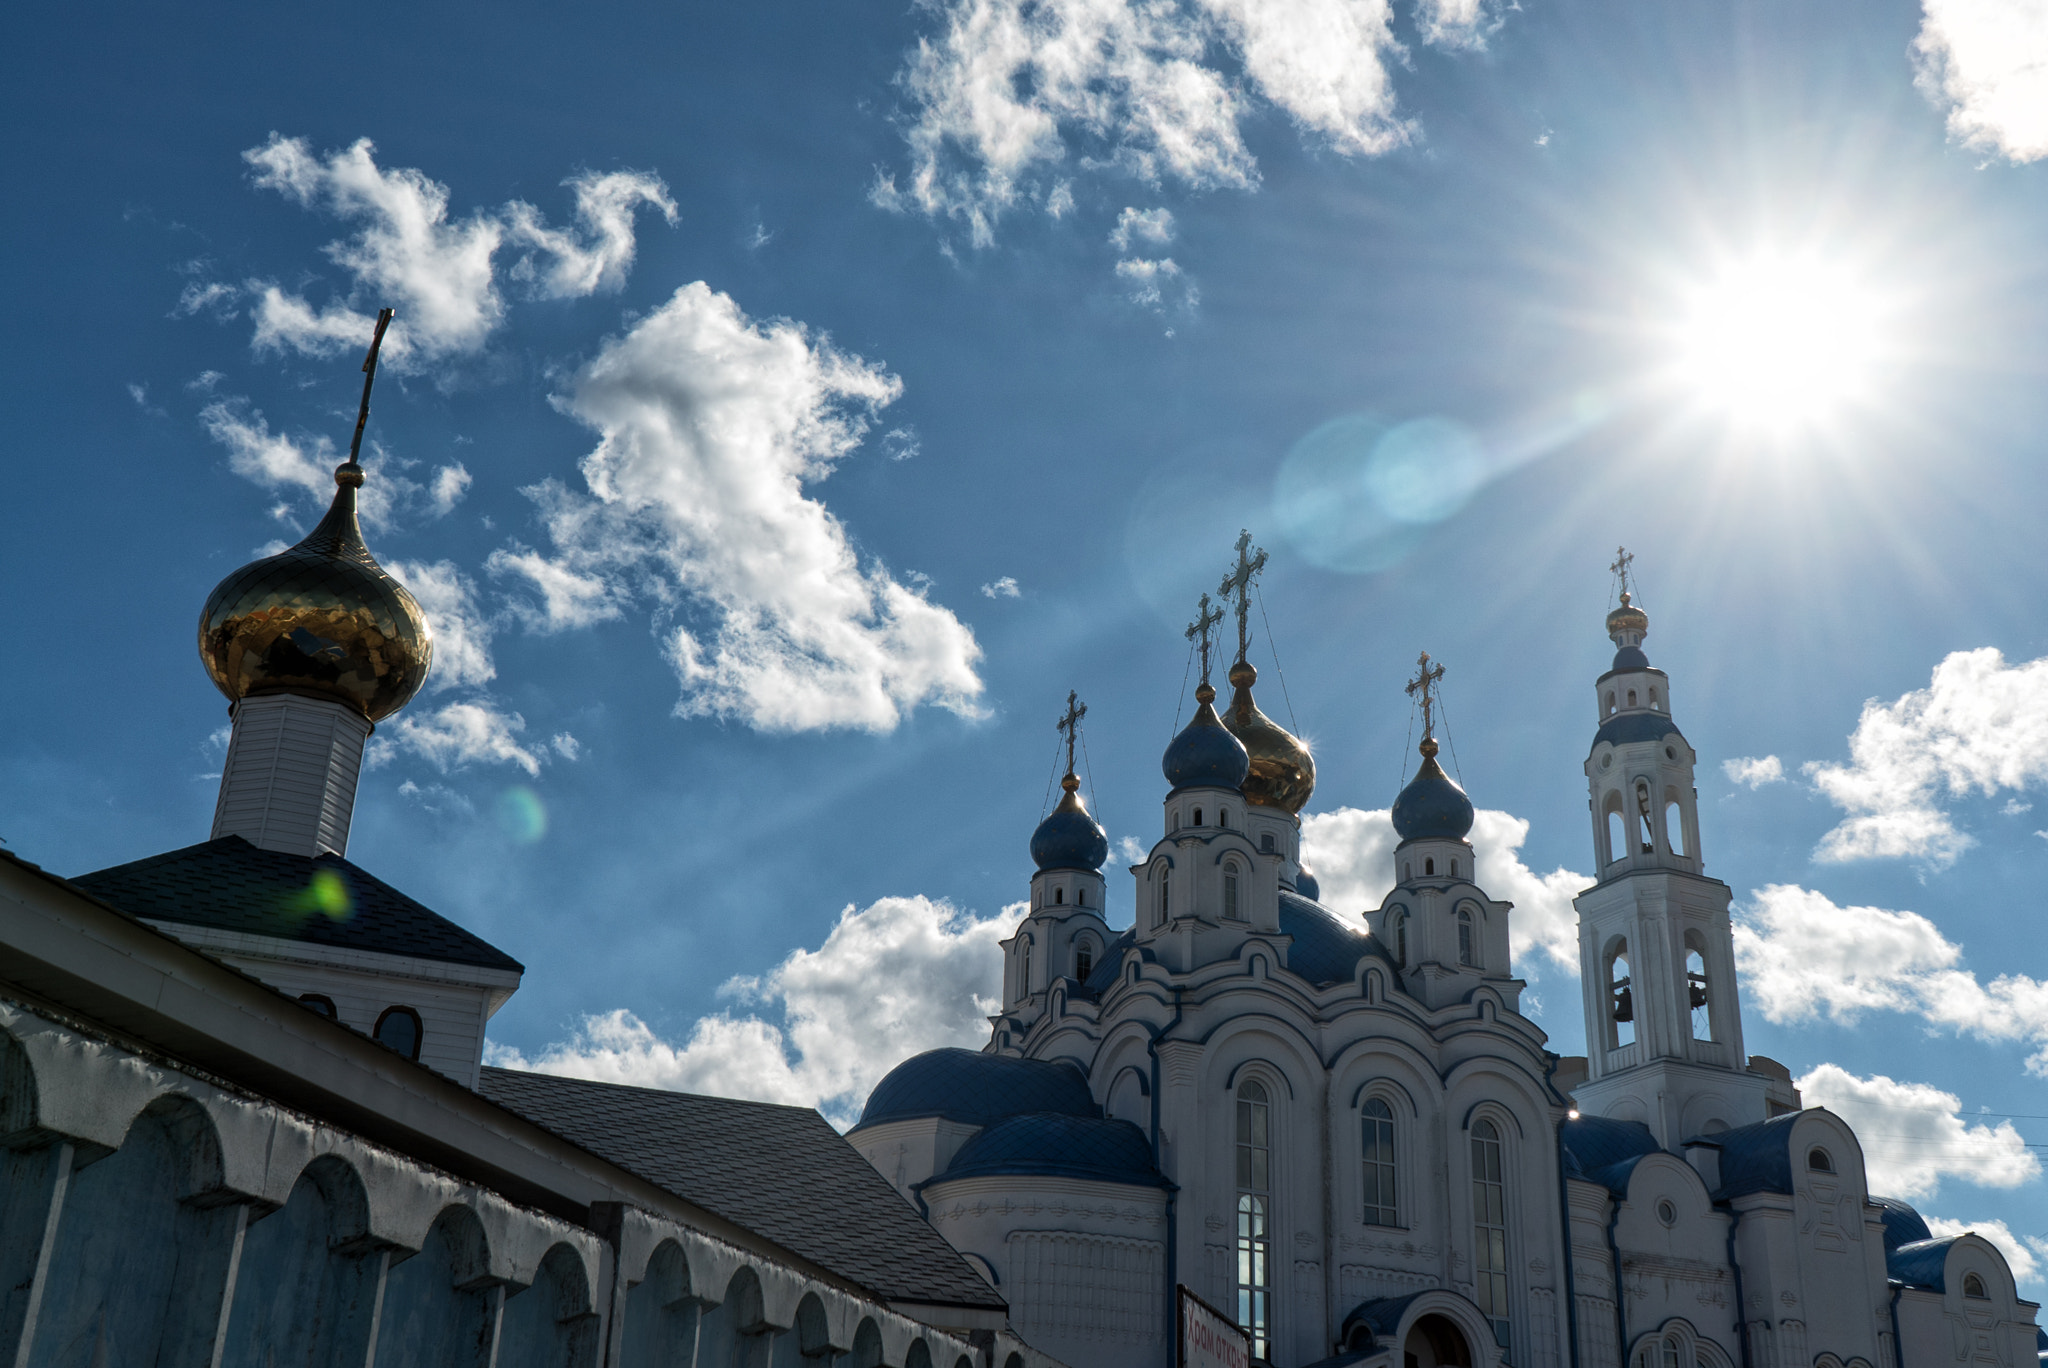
[1343, 1131]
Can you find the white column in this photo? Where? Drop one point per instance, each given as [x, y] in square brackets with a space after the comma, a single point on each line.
[290, 779]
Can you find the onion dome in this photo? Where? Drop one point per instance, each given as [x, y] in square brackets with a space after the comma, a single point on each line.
[321, 617]
[1432, 806]
[1204, 753]
[1070, 838]
[1283, 774]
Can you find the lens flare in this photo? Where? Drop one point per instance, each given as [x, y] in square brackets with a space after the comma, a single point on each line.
[1780, 342]
[521, 814]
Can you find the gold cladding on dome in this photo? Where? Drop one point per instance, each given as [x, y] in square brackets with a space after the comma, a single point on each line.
[1283, 773]
[1627, 618]
[321, 617]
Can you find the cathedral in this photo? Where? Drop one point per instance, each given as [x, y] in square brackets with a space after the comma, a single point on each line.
[1342, 1131]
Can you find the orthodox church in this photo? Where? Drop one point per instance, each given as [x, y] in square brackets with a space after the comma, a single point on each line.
[1343, 1131]
[244, 1118]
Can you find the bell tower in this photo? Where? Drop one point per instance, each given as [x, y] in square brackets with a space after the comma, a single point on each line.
[1656, 953]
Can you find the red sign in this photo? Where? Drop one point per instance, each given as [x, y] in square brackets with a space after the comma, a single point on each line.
[1208, 1338]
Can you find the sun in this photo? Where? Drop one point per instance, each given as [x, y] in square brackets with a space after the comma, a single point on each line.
[1779, 342]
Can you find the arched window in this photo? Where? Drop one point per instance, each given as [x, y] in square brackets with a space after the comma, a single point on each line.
[1621, 1000]
[1490, 1228]
[1973, 1288]
[1454, 866]
[1617, 831]
[1631, 698]
[318, 1002]
[1377, 1127]
[399, 1029]
[1080, 897]
[1397, 932]
[1254, 1217]
[1059, 895]
[1610, 702]
[1223, 818]
[1696, 995]
[1084, 960]
[1466, 954]
[1198, 816]
[1674, 827]
[1230, 912]
[1428, 868]
[1817, 1160]
[1653, 698]
[1266, 842]
[1165, 907]
[1024, 968]
[1644, 834]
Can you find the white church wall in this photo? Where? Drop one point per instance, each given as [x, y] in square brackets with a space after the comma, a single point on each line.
[1674, 1254]
[910, 1151]
[1951, 1326]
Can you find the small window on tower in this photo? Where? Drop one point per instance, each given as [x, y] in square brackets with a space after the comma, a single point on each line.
[1428, 867]
[1230, 892]
[1610, 702]
[1084, 961]
[1631, 698]
[1198, 816]
[1465, 954]
[1266, 842]
[1653, 698]
[1223, 818]
[1059, 895]
[1081, 897]
[1817, 1160]
[1973, 1288]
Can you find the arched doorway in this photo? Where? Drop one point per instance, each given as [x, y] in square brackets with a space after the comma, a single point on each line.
[1434, 1342]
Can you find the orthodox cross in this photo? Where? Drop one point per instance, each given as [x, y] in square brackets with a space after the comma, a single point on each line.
[1205, 622]
[384, 317]
[1238, 584]
[1069, 725]
[1424, 683]
[1622, 561]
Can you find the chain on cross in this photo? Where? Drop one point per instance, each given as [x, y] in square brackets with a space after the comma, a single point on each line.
[1425, 683]
[1199, 631]
[1238, 584]
[1069, 724]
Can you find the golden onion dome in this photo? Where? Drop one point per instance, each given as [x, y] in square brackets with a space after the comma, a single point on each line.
[1627, 618]
[321, 617]
[1283, 773]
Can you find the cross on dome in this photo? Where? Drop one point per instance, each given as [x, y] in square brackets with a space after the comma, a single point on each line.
[1069, 724]
[1623, 559]
[1238, 584]
[1425, 683]
[1205, 622]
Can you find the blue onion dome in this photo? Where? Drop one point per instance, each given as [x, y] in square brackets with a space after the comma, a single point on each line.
[1432, 806]
[1631, 658]
[1070, 838]
[1283, 773]
[1306, 885]
[321, 617]
[1205, 753]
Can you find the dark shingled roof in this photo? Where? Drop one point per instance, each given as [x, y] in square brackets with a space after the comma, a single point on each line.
[1757, 1158]
[1923, 1263]
[1065, 1146]
[232, 885]
[1604, 1150]
[977, 1089]
[782, 1172]
[1902, 1224]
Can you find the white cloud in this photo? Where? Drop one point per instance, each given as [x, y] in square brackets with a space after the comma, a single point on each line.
[1801, 955]
[438, 273]
[207, 296]
[462, 634]
[1130, 850]
[710, 426]
[1913, 1138]
[566, 746]
[2024, 1254]
[303, 468]
[1754, 771]
[1980, 726]
[1455, 23]
[1008, 91]
[1986, 63]
[895, 978]
[901, 444]
[450, 483]
[1141, 225]
[1157, 285]
[1006, 587]
[455, 735]
[1351, 853]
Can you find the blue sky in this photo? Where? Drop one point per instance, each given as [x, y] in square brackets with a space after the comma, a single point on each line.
[789, 404]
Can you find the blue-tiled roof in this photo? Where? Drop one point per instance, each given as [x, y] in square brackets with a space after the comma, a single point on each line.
[1757, 1158]
[1326, 948]
[1103, 977]
[1605, 1151]
[1902, 1224]
[1065, 1146]
[1205, 754]
[977, 1089]
[231, 885]
[1636, 726]
[1381, 1315]
[1923, 1263]
[1630, 658]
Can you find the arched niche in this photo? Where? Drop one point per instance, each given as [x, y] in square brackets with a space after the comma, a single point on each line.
[306, 1290]
[867, 1345]
[661, 1314]
[139, 1268]
[735, 1332]
[437, 1304]
[550, 1324]
[1436, 1341]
